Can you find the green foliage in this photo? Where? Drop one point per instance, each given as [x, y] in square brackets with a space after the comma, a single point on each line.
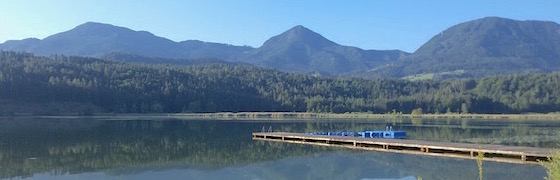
[553, 166]
[521, 92]
[417, 111]
[479, 159]
[464, 108]
[143, 88]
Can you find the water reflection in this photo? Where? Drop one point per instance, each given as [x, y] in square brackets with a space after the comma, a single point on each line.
[176, 149]
[532, 133]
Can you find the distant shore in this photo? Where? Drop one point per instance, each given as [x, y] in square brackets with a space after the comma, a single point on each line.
[295, 115]
[303, 115]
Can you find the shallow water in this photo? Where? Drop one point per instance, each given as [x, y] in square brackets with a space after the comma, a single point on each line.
[84, 148]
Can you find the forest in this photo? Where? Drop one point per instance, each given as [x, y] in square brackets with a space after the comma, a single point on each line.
[119, 87]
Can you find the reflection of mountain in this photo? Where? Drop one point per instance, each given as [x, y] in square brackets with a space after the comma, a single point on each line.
[105, 145]
[120, 148]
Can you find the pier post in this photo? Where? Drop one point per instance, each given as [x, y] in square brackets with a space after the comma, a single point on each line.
[523, 157]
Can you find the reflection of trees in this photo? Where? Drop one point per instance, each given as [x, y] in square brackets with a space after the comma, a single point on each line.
[455, 130]
[75, 146]
[445, 168]
[118, 144]
[486, 132]
[354, 164]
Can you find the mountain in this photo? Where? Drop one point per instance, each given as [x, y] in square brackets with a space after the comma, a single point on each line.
[97, 39]
[302, 50]
[296, 50]
[478, 48]
[482, 47]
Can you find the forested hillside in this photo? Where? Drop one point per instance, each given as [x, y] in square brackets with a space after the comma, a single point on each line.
[141, 88]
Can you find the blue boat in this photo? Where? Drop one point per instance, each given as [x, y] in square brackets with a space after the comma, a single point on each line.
[387, 134]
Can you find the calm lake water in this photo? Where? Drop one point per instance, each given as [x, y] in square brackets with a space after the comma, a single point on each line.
[144, 148]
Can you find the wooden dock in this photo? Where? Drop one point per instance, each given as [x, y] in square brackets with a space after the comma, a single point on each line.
[498, 153]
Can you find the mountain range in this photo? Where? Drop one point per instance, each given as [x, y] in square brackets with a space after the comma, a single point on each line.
[478, 48]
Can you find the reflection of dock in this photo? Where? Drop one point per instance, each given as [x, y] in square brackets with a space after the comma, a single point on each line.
[499, 153]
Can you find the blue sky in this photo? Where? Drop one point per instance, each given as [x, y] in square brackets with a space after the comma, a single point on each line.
[368, 24]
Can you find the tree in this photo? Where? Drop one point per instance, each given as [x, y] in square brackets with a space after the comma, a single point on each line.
[417, 111]
[464, 108]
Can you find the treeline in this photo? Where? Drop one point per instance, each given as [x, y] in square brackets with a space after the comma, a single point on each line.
[144, 88]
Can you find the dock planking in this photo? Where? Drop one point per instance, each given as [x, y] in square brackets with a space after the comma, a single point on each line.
[498, 153]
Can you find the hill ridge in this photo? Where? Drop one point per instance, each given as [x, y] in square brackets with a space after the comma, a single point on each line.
[482, 47]
[477, 48]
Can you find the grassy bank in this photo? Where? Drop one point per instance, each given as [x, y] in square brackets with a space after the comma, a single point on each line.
[84, 109]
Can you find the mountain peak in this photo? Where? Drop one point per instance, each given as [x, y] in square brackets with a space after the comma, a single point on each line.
[494, 18]
[93, 23]
[100, 28]
[299, 29]
[487, 46]
[492, 35]
[96, 25]
[499, 23]
[502, 19]
[301, 50]
[299, 36]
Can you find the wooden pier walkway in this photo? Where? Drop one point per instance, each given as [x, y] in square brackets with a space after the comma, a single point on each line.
[499, 153]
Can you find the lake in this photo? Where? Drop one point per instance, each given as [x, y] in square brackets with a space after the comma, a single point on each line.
[160, 148]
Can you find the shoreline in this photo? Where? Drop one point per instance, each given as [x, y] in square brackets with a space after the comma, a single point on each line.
[297, 116]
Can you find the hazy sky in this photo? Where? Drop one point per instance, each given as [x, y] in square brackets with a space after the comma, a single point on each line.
[368, 24]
